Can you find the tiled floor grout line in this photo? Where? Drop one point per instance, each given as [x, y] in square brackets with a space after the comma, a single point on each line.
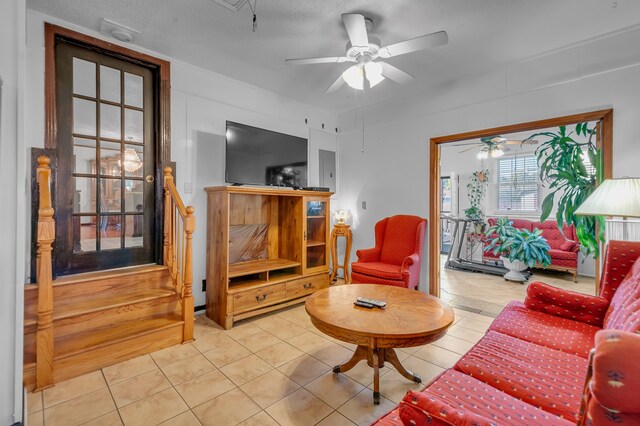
[112, 397]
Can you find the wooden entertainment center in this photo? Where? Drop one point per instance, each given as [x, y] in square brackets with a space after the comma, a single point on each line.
[267, 248]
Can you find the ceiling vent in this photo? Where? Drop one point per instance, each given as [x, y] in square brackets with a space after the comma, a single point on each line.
[234, 5]
[118, 31]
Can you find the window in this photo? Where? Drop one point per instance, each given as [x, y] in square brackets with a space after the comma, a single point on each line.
[518, 183]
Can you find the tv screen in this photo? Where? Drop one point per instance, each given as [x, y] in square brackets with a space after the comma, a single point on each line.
[261, 157]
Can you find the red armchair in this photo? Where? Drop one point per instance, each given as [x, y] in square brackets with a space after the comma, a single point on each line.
[395, 260]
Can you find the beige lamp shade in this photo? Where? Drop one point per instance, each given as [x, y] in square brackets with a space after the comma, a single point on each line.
[614, 197]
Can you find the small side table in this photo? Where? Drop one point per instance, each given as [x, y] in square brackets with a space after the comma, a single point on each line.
[341, 230]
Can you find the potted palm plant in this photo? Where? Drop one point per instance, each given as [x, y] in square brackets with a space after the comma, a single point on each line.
[520, 248]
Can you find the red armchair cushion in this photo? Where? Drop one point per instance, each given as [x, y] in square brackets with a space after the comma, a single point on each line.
[457, 399]
[624, 310]
[566, 304]
[566, 335]
[379, 269]
[618, 260]
[357, 278]
[545, 378]
[400, 238]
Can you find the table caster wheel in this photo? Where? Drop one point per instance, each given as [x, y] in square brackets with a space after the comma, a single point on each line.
[336, 369]
[376, 398]
[417, 379]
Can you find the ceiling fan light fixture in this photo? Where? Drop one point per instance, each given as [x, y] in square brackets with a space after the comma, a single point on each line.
[354, 75]
[497, 152]
[483, 155]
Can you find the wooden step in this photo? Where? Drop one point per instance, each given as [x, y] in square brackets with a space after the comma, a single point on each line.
[102, 318]
[85, 352]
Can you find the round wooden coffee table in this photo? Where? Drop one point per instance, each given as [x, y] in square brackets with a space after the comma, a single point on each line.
[411, 318]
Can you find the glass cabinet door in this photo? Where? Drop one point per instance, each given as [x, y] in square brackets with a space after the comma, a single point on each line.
[316, 234]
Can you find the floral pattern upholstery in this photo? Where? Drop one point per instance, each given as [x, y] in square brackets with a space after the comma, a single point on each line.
[395, 260]
[613, 393]
[566, 335]
[543, 377]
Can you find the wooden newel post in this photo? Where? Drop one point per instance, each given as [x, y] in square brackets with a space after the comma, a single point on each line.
[168, 243]
[187, 301]
[44, 277]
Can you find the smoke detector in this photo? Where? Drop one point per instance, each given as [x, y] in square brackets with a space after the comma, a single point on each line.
[118, 31]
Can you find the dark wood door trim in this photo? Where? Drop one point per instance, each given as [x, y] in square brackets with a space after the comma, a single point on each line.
[603, 117]
[160, 66]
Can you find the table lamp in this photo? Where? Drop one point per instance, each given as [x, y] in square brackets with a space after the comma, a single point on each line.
[614, 197]
[341, 216]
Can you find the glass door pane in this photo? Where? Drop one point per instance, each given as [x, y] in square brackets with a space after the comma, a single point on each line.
[316, 234]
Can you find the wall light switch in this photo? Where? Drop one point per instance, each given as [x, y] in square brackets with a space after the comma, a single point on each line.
[188, 188]
[364, 205]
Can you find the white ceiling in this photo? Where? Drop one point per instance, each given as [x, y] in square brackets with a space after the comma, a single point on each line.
[483, 34]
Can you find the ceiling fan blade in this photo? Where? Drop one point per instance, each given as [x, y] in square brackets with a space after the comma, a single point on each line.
[467, 144]
[419, 43]
[465, 150]
[309, 61]
[356, 28]
[336, 84]
[522, 142]
[396, 74]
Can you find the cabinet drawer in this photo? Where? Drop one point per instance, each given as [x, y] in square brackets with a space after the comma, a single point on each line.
[254, 299]
[307, 285]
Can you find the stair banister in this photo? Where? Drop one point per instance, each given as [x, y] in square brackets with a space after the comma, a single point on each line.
[179, 225]
[44, 277]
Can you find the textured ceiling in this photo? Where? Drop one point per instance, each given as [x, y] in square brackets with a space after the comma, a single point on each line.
[482, 35]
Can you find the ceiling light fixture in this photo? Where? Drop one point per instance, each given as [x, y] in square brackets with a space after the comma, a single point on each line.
[354, 75]
[118, 31]
[490, 152]
[132, 162]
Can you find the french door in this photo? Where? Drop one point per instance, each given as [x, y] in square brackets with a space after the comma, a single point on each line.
[105, 190]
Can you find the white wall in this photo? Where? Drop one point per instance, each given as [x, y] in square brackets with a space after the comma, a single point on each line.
[11, 290]
[201, 103]
[392, 174]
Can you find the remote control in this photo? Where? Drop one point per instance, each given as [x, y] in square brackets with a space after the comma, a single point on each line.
[364, 305]
[377, 303]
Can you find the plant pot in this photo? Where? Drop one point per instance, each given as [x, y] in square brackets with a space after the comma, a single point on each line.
[514, 268]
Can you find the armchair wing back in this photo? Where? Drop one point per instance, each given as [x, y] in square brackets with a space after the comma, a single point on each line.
[396, 257]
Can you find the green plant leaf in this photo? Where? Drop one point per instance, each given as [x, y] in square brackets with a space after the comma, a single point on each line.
[547, 206]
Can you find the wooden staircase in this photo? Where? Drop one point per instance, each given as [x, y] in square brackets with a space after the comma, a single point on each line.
[93, 320]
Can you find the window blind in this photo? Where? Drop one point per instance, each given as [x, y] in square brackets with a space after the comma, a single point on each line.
[518, 183]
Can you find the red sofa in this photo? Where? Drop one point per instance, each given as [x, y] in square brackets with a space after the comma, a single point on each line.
[564, 248]
[397, 256]
[532, 364]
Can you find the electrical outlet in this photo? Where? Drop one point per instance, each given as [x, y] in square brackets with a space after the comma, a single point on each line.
[204, 285]
[364, 205]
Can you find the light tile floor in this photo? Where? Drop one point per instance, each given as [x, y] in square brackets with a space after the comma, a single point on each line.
[271, 370]
[489, 294]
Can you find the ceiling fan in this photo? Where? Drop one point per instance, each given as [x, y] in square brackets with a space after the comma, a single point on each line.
[363, 50]
[494, 146]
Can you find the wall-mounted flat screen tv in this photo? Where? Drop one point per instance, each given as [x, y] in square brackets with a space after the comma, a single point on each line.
[257, 156]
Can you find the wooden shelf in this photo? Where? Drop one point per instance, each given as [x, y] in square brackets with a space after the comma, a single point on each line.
[256, 283]
[258, 266]
[315, 243]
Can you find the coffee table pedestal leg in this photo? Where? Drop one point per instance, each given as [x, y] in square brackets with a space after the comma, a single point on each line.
[376, 359]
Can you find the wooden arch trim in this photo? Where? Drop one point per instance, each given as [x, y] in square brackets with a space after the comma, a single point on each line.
[603, 117]
[163, 84]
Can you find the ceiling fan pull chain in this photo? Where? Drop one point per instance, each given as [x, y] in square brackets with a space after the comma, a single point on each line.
[254, 26]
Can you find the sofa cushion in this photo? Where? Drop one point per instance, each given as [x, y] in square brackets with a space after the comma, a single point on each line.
[618, 261]
[458, 399]
[536, 327]
[624, 310]
[567, 245]
[545, 378]
[553, 235]
[378, 269]
[400, 238]
[556, 254]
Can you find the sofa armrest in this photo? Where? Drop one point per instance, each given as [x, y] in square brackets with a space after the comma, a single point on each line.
[566, 303]
[413, 259]
[368, 255]
[417, 408]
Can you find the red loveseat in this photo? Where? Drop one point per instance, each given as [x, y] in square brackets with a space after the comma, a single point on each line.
[396, 258]
[532, 364]
[564, 248]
